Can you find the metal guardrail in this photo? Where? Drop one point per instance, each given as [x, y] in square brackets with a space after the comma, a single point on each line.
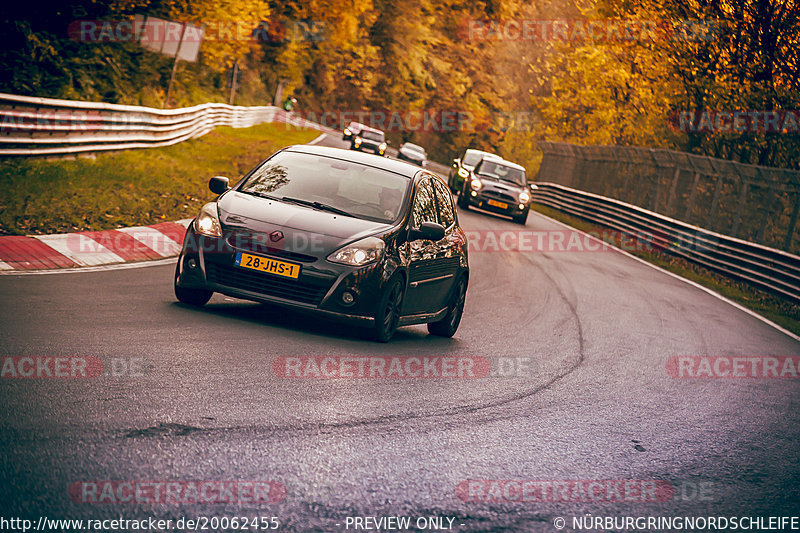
[31, 126]
[768, 268]
[754, 203]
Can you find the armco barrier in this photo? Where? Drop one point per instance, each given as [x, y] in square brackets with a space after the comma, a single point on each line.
[31, 126]
[754, 203]
[768, 268]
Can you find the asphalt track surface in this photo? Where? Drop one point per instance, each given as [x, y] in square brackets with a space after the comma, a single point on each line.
[598, 328]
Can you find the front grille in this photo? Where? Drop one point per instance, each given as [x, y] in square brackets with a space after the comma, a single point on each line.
[299, 290]
[260, 243]
[495, 195]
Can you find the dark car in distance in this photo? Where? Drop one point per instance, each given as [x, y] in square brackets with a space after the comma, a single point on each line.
[499, 186]
[369, 140]
[413, 153]
[339, 234]
[354, 128]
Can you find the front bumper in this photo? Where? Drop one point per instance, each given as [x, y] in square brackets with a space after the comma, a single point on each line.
[368, 147]
[208, 263]
[501, 205]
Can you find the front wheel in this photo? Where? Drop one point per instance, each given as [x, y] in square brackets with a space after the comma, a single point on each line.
[521, 219]
[388, 314]
[447, 326]
[195, 297]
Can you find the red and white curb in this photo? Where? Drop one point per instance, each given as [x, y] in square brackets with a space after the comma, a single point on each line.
[92, 248]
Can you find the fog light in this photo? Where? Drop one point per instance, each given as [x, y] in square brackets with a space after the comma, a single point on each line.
[348, 298]
[521, 207]
[191, 263]
[473, 193]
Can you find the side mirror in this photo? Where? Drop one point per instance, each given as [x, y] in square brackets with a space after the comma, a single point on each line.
[218, 184]
[455, 161]
[428, 230]
[534, 186]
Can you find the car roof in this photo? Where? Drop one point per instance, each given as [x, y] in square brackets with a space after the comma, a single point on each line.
[372, 160]
[498, 159]
[476, 151]
[367, 128]
[508, 163]
[355, 124]
[414, 145]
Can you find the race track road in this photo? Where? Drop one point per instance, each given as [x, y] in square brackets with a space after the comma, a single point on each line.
[597, 403]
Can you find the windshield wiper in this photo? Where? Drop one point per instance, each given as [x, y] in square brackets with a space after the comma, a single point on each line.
[318, 205]
[261, 195]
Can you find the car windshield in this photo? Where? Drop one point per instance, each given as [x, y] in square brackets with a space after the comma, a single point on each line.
[497, 170]
[372, 135]
[472, 158]
[333, 184]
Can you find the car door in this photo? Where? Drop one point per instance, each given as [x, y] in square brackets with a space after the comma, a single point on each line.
[454, 239]
[430, 271]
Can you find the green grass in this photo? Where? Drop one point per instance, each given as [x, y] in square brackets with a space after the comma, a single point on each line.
[133, 187]
[775, 308]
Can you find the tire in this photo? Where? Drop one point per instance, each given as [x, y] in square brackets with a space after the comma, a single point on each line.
[521, 219]
[447, 326]
[195, 297]
[387, 315]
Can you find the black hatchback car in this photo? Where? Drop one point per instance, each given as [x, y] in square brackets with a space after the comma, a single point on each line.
[342, 234]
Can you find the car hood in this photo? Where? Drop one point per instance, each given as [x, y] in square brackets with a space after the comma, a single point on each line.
[412, 153]
[302, 227]
[500, 185]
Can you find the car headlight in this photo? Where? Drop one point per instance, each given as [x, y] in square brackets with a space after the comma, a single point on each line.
[207, 222]
[359, 253]
[347, 131]
[463, 172]
[524, 197]
[358, 140]
[382, 147]
[476, 184]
